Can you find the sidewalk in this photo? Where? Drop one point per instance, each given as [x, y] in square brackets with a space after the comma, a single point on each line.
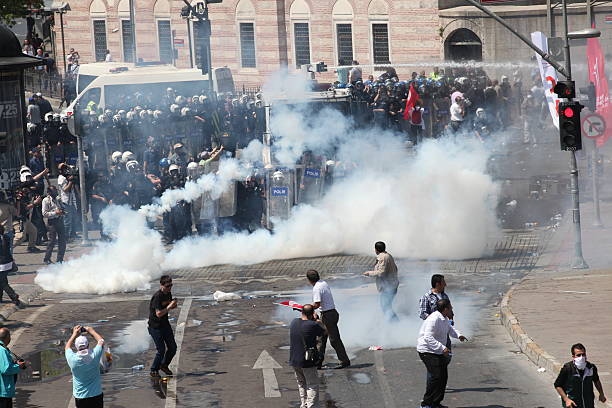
[556, 306]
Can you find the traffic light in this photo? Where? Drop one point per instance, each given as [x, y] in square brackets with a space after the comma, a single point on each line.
[569, 126]
[321, 67]
[565, 89]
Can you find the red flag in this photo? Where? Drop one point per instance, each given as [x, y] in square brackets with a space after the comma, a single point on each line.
[597, 75]
[413, 96]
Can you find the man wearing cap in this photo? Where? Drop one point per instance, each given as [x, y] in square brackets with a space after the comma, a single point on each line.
[85, 367]
[178, 156]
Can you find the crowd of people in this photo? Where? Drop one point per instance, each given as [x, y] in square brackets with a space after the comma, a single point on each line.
[457, 99]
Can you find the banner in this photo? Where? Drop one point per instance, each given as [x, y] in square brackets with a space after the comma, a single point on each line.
[597, 75]
[549, 76]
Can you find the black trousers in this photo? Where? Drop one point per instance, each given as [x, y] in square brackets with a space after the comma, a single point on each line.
[91, 402]
[330, 319]
[56, 233]
[437, 368]
[6, 402]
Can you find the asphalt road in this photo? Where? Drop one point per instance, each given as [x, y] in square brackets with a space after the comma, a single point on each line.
[222, 341]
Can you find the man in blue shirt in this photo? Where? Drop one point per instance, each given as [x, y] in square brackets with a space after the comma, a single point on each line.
[8, 370]
[85, 367]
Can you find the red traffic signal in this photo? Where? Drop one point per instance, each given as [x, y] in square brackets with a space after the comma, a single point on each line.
[568, 112]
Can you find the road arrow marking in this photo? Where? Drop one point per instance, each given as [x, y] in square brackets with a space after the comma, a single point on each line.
[267, 364]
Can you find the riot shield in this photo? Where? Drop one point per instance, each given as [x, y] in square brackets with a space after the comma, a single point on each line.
[279, 194]
[310, 180]
[226, 203]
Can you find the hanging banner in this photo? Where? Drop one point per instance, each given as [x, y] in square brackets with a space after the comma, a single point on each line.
[597, 75]
[549, 76]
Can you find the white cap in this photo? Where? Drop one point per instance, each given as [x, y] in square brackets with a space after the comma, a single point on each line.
[82, 345]
[173, 167]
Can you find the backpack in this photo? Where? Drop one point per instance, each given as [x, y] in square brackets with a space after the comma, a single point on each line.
[416, 116]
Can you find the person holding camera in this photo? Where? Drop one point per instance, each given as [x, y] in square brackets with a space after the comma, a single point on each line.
[68, 184]
[159, 326]
[85, 367]
[7, 265]
[9, 368]
[303, 357]
[53, 212]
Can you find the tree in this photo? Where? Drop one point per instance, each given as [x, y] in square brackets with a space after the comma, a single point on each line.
[11, 10]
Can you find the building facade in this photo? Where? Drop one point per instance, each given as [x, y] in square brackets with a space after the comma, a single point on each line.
[257, 37]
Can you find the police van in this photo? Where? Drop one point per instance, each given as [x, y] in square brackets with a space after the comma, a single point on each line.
[104, 83]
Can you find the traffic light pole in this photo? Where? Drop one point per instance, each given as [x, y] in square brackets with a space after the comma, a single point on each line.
[578, 262]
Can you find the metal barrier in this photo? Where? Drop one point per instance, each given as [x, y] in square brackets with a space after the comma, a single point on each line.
[50, 85]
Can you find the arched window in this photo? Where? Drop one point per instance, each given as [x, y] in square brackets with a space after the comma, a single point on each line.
[123, 11]
[342, 14]
[161, 12]
[463, 45]
[378, 15]
[245, 18]
[299, 14]
[97, 13]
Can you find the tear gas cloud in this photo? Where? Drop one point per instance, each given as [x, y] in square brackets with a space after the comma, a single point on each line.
[437, 203]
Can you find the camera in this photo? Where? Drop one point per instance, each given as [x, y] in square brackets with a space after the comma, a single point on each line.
[83, 330]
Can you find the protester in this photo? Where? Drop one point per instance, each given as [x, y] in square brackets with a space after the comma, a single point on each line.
[433, 352]
[303, 334]
[85, 367]
[322, 299]
[7, 265]
[52, 211]
[576, 380]
[385, 272]
[67, 183]
[159, 327]
[9, 369]
[8, 213]
[428, 302]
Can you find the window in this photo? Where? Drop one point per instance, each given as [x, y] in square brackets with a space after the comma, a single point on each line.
[380, 43]
[164, 38]
[126, 36]
[99, 31]
[344, 33]
[302, 44]
[247, 45]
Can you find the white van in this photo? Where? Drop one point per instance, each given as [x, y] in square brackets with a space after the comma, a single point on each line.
[106, 82]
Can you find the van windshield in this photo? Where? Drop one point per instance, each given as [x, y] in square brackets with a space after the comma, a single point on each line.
[150, 95]
[83, 82]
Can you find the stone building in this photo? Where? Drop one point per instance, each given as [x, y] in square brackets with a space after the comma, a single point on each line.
[256, 37]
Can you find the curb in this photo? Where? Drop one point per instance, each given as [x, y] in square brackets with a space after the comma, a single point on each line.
[525, 343]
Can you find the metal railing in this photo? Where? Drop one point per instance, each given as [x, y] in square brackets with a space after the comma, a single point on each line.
[50, 85]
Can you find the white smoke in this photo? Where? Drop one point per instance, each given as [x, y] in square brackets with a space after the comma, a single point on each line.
[439, 203]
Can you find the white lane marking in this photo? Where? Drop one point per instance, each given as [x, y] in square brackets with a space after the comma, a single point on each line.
[387, 395]
[104, 299]
[179, 332]
[267, 364]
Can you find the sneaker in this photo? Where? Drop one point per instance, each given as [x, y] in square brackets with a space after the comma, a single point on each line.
[48, 261]
[166, 370]
[154, 374]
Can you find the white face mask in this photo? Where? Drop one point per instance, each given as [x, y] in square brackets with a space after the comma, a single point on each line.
[580, 362]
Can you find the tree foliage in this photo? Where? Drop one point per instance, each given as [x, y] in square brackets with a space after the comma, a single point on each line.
[11, 10]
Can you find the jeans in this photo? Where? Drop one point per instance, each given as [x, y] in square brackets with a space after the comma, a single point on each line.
[437, 367]
[308, 386]
[386, 298]
[71, 221]
[165, 345]
[330, 319]
[91, 402]
[56, 232]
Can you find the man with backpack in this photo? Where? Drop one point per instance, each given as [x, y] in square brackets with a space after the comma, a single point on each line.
[303, 334]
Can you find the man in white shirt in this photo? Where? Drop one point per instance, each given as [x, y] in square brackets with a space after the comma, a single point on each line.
[431, 346]
[52, 211]
[457, 112]
[322, 298]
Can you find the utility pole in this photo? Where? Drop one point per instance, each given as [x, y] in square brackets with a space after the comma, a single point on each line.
[578, 262]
